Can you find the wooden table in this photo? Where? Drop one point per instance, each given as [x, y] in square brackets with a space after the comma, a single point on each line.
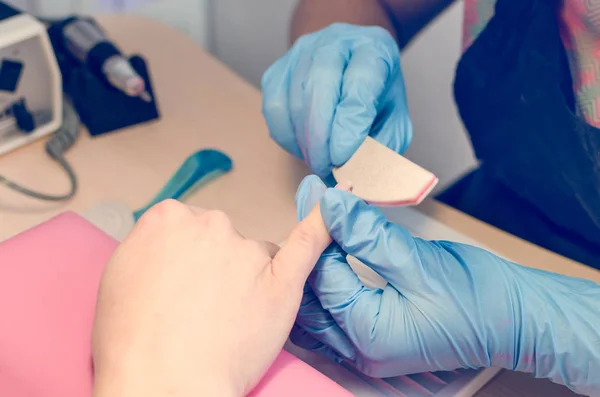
[204, 104]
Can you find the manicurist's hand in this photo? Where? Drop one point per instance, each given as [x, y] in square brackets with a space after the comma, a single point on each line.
[333, 88]
[189, 307]
[445, 306]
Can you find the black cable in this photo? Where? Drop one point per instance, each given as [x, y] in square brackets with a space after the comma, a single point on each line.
[57, 145]
[44, 196]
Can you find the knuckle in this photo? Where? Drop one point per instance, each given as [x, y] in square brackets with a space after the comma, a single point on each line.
[164, 210]
[271, 78]
[341, 27]
[379, 33]
[272, 106]
[268, 75]
[216, 219]
[304, 41]
[168, 206]
[364, 80]
[323, 75]
[305, 236]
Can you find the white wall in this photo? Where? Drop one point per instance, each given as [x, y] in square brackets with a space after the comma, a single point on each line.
[440, 142]
[189, 16]
[249, 35]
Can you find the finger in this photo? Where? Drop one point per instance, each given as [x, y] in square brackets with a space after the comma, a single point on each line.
[318, 93]
[393, 126]
[364, 84]
[317, 322]
[309, 193]
[275, 107]
[217, 221]
[342, 294]
[312, 317]
[296, 99]
[302, 249]
[308, 239]
[334, 278]
[338, 310]
[363, 232]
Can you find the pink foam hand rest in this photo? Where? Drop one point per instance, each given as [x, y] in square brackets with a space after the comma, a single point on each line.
[49, 279]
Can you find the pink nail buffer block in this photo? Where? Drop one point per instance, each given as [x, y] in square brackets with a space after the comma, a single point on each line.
[382, 177]
[49, 279]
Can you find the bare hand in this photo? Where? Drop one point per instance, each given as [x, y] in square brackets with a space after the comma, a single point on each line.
[187, 306]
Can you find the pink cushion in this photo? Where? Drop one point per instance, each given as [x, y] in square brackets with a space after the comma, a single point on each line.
[49, 280]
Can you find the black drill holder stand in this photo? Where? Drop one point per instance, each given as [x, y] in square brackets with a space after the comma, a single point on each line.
[101, 107]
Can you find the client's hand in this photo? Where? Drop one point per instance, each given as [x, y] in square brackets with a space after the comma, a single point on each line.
[189, 307]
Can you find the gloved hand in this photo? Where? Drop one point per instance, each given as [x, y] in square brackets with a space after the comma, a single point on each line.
[332, 89]
[446, 305]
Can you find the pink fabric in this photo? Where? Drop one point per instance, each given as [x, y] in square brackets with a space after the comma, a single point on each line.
[49, 279]
[291, 377]
[580, 30]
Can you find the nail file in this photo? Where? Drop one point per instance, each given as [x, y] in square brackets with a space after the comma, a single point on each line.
[116, 219]
[382, 177]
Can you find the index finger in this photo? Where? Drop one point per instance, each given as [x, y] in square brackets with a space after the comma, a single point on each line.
[275, 104]
[303, 248]
[301, 251]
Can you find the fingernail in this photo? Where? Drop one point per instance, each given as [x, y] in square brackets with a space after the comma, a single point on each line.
[309, 194]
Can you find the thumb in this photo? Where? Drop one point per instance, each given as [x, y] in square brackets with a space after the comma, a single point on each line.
[310, 192]
[302, 249]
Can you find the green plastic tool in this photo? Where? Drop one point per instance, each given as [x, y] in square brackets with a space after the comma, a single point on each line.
[200, 168]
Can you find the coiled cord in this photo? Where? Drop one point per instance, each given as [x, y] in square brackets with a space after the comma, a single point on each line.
[57, 145]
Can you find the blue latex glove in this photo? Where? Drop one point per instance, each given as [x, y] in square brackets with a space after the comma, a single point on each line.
[446, 305]
[332, 89]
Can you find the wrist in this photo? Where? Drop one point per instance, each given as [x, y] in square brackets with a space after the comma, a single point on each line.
[140, 383]
[111, 388]
[559, 331]
[313, 15]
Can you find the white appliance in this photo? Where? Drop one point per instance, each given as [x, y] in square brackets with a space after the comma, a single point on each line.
[29, 71]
